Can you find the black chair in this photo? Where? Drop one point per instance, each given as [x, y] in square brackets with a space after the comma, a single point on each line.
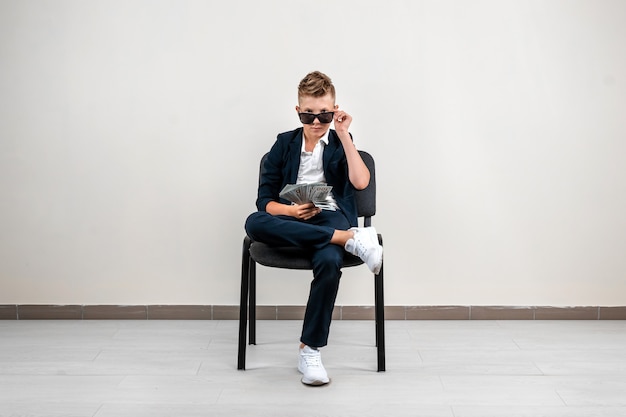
[295, 258]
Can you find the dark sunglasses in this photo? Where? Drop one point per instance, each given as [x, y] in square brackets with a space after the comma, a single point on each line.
[325, 117]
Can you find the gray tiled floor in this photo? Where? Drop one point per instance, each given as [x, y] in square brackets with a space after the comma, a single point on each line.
[434, 368]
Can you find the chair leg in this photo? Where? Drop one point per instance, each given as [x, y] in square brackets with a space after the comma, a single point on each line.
[379, 301]
[252, 303]
[243, 304]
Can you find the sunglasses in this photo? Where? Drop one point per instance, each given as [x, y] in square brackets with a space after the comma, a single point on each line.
[309, 118]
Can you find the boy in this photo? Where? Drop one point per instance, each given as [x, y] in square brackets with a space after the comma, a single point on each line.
[316, 153]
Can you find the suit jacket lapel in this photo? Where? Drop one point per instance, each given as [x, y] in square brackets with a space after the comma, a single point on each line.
[331, 149]
[293, 165]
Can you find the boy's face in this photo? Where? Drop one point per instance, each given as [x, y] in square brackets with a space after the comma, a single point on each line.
[316, 105]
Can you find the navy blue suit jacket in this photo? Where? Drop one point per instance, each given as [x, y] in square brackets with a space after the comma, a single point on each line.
[281, 168]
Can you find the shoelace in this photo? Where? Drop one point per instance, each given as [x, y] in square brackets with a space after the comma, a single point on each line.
[312, 360]
[361, 250]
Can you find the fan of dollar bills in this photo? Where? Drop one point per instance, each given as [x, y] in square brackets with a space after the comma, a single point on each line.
[317, 193]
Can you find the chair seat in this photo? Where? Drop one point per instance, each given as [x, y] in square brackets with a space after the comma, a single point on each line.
[290, 257]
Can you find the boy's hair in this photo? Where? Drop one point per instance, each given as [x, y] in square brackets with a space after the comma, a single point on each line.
[316, 84]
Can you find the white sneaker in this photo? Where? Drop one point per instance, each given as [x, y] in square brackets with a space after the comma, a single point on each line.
[310, 365]
[365, 245]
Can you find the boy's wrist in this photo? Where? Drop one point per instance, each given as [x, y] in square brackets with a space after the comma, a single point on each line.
[344, 135]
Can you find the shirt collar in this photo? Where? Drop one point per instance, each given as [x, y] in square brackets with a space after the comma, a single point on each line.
[322, 139]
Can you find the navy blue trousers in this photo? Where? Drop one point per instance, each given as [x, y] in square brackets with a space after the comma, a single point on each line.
[327, 260]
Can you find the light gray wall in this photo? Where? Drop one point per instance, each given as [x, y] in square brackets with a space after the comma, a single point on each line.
[130, 133]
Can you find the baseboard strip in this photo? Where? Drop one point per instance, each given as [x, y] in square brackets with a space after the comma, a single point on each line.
[231, 312]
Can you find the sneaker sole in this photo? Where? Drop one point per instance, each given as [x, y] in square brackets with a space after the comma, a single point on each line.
[315, 383]
[374, 237]
[378, 266]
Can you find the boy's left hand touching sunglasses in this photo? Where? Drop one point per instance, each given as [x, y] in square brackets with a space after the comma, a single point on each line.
[342, 120]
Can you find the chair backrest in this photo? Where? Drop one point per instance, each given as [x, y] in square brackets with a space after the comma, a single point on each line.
[366, 198]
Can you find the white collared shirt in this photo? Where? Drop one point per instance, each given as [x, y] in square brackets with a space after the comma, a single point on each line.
[312, 165]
